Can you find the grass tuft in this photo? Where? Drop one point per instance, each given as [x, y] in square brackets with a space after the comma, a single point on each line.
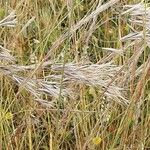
[74, 75]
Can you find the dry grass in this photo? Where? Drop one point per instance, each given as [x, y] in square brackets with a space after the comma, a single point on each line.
[74, 75]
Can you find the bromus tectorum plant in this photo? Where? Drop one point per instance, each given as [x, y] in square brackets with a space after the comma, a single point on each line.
[74, 75]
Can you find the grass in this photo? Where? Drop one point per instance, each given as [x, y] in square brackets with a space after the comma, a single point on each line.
[74, 75]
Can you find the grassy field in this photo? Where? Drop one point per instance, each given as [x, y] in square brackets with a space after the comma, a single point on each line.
[74, 75]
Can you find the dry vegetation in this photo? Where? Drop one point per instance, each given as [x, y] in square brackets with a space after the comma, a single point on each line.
[74, 75]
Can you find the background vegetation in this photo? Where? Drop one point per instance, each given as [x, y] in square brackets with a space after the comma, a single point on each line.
[74, 75]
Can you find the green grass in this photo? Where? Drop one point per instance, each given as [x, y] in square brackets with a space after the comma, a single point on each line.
[74, 79]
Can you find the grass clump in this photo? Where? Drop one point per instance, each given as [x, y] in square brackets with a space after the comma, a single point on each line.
[74, 75]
